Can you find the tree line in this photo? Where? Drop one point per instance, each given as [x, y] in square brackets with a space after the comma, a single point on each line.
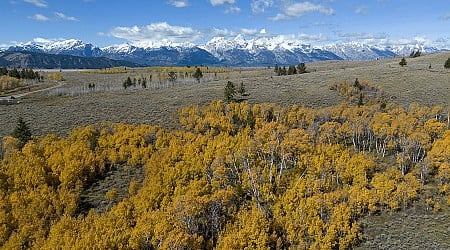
[22, 74]
[234, 176]
[291, 70]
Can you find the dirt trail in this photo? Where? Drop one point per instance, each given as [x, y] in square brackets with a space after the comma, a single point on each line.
[60, 84]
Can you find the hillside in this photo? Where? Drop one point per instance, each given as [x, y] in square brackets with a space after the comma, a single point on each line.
[51, 61]
[299, 165]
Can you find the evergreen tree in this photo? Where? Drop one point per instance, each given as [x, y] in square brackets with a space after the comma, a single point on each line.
[198, 74]
[291, 70]
[301, 68]
[14, 73]
[172, 77]
[229, 91]
[276, 68]
[22, 132]
[357, 84]
[403, 62]
[282, 71]
[3, 71]
[250, 119]
[447, 63]
[360, 100]
[241, 89]
[127, 83]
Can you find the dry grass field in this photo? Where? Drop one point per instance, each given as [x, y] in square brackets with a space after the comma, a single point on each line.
[73, 104]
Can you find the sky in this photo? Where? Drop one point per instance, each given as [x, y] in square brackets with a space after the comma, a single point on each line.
[315, 22]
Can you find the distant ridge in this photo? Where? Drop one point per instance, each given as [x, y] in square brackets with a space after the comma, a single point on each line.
[221, 51]
[34, 60]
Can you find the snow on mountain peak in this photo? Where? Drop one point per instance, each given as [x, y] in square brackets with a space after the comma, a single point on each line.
[236, 50]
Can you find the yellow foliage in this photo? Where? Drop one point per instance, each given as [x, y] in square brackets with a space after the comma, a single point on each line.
[7, 82]
[56, 76]
[235, 176]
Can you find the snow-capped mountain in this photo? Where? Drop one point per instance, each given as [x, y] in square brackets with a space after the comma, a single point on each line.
[359, 51]
[70, 47]
[405, 50]
[264, 51]
[164, 55]
[236, 51]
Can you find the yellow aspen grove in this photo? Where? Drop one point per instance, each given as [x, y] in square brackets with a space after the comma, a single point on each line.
[232, 176]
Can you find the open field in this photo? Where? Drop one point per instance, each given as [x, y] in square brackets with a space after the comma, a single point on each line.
[74, 104]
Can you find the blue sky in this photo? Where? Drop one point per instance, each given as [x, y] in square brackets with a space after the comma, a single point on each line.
[315, 22]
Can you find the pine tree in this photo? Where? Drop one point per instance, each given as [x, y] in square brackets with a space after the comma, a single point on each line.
[198, 74]
[403, 62]
[241, 89]
[172, 77]
[360, 100]
[229, 91]
[22, 132]
[127, 83]
[447, 63]
[291, 70]
[301, 68]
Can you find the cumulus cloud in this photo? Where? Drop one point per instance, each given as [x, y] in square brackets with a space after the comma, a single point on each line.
[42, 40]
[220, 2]
[179, 3]
[39, 18]
[304, 38]
[249, 32]
[62, 16]
[260, 6]
[299, 9]
[157, 32]
[216, 32]
[233, 9]
[38, 3]
[361, 10]
[362, 35]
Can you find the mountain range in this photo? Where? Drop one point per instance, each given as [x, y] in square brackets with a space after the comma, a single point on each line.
[218, 51]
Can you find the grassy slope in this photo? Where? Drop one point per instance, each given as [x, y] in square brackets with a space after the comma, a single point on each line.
[414, 228]
[59, 114]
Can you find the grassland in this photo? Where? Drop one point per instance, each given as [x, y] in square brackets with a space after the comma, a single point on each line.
[74, 104]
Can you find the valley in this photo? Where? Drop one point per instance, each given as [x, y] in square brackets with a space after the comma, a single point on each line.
[140, 165]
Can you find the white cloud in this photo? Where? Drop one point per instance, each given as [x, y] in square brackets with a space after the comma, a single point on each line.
[299, 9]
[157, 32]
[220, 2]
[39, 18]
[363, 35]
[62, 16]
[222, 33]
[279, 17]
[38, 3]
[249, 32]
[233, 9]
[42, 40]
[304, 38]
[259, 6]
[446, 17]
[361, 10]
[179, 3]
